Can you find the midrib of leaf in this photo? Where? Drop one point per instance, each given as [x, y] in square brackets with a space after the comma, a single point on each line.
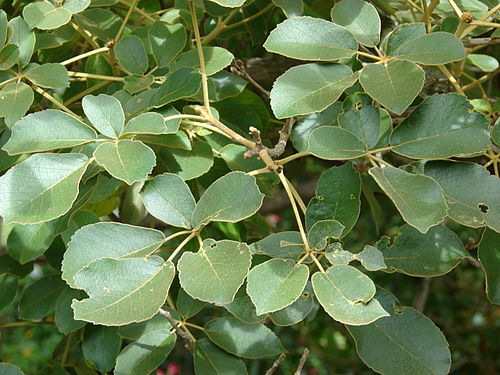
[448, 132]
[352, 76]
[390, 338]
[173, 207]
[52, 187]
[128, 294]
[350, 302]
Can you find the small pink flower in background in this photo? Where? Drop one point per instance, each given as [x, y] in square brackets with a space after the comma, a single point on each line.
[173, 369]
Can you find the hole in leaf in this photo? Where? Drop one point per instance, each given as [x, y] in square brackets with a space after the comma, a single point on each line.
[484, 208]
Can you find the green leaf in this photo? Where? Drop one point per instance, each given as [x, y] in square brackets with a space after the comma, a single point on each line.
[41, 188]
[102, 23]
[484, 62]
[167, 41]
[346, 294]
[294, 313]
[360, 18]
[168, 198]
[146, 354]
[309, 88]
[52, 76]
[302, 129]
[131, 54]
[337, 256]
[45, 16]
[229, 3]
[10, 266]
[10, 286]
[472, 194]
[3, 27]
[8, 369]
[135, 84]
[394, 85]
[134, 331]
[425, 255]
[28, 242]
[495, 133]
[8, 56]
[92, 242]
[105, 113]
[39, 298]
[216, 59]
[24, 38]
[100, 347]
[148, 123]
[215, 273]
[413, 343]
[182, 83]
[291, 8]
[76, 6]
[361, 117]
[122, 291]
[126, 160]
[217, 205]
[187, 306]
[48, 130]
[243, 340]
[15, 100]
[242, 308]
[371, 258]
[442, 126]
[275, 284]
[322, 230]
[210, 360]
[189, 164]
[335, 143]
[419, 199]
[308, 38]
[337, 198]
[400, 35]
[432, 49]
[489, 256]
[286, 245]
[63, 316]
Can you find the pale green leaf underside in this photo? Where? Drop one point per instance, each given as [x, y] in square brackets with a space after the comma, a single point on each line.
[419, 199]
[105, 113]
[217, 205]
[15, 100]
[346, 294]
[308, 38]
[275, 284]
[168, 198]
[309, 88]
[92, 242]
[41, 188]
[122, 291]
[126, 160]
[216, 272]
[45, 16]
[394, 85]
[360, 18]
[243, 340]
[48, 130]
[335, 143]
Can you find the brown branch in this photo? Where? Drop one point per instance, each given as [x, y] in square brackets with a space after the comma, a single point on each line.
[302, 361]
[276, 364]
[238, 68]
[255, 133]
[283, 139]
[188, 342]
